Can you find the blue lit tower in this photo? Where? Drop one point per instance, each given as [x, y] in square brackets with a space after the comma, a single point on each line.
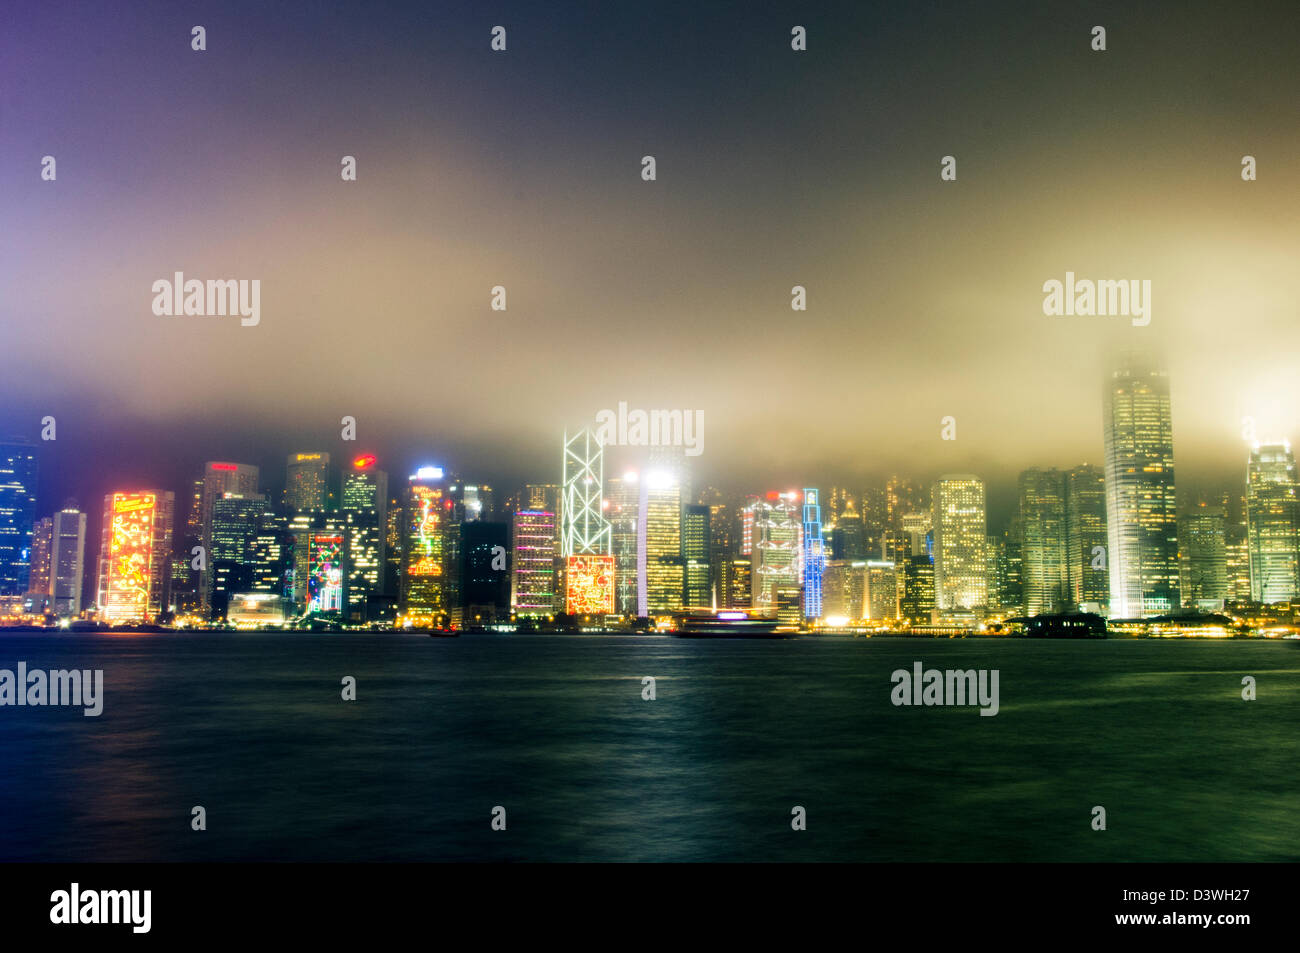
[814, 555]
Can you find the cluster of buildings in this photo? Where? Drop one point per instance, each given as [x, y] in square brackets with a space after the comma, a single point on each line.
[343, 545]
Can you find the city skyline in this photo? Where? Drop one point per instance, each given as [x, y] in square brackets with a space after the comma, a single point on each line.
[522, 170]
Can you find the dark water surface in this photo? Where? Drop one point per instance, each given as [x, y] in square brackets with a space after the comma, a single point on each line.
[553, 728]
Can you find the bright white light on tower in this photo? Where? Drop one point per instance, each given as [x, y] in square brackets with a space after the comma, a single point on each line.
[630, 476]
[659, 479]
[429, 473]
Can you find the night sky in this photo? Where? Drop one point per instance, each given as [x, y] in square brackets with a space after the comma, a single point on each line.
[522, 169]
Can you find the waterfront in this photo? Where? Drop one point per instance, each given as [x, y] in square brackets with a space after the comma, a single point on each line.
[554, 728]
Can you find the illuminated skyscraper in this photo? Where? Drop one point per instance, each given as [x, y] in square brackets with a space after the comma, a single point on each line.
[425, 505]
[532, 583]
[777, 534]
[1273, 523]
[735, 582]
[1087, 578]
[41, 562]
[623, 513]
[307, 482]
[844, 594]
[659, 548]
[1204, 563]
[813, 555]
[17, 515]
[881, 591]
[917, 604]
[1042, 516]
[219, 478]
[364, 505]
[960, 580]
[696, 555]
[849, 537]
[236, 520]
[1141, 512]
[134, 563]
[67, 560]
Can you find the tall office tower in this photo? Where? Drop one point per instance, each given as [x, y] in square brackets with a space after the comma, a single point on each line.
[271, 551]
[697, 566]
[584, 528]
[236, 521]
[187, 582]
[586, 541]
[735, 582]
[995, 559]
[1273, 523]
[660, 571]
[307, 482]
[422, 587]
[917, 528]
[882, 591]
[17, 514]
[622, 513]
[722, 521]
[1087, 578]
[917, 605]
[1141, 512]
[485, 571]
[747, 512]
[1042, 519]
[134, 555]
[364, 504]
[960, 583]
[67, 560]
[219, 479]
[1011, 598]
[41, 562]
[532, 566]
[849, 538]
[777, 539]
[812, 554]
[844, 591]
[1204, 558]
[1236, 552]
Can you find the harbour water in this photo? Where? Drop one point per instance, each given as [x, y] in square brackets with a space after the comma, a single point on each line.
[553, 728]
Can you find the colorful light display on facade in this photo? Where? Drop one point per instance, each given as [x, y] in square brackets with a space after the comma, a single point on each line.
[325, 573]
[589, 585]
[130, 554]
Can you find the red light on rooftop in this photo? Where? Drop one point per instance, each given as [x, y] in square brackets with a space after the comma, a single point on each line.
[363, 462]
[225, 466]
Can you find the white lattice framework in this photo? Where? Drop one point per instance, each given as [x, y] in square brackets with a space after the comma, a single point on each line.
[584, 528]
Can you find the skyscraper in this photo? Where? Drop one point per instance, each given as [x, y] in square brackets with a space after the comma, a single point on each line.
[40, 572]
[696, 555]
[219, 478]
[1042, 515]
[67, 560]
[424, 524]
[363, 503]
[813, 554]
[1273, 523]
[622, 512]
[134, 555]
[1087, 578]
[17, 514]
[532, 566]
[776, 542]
[1141, 511]
[1204, 566]
[960, 570]
[307, 482]
[661, 572]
